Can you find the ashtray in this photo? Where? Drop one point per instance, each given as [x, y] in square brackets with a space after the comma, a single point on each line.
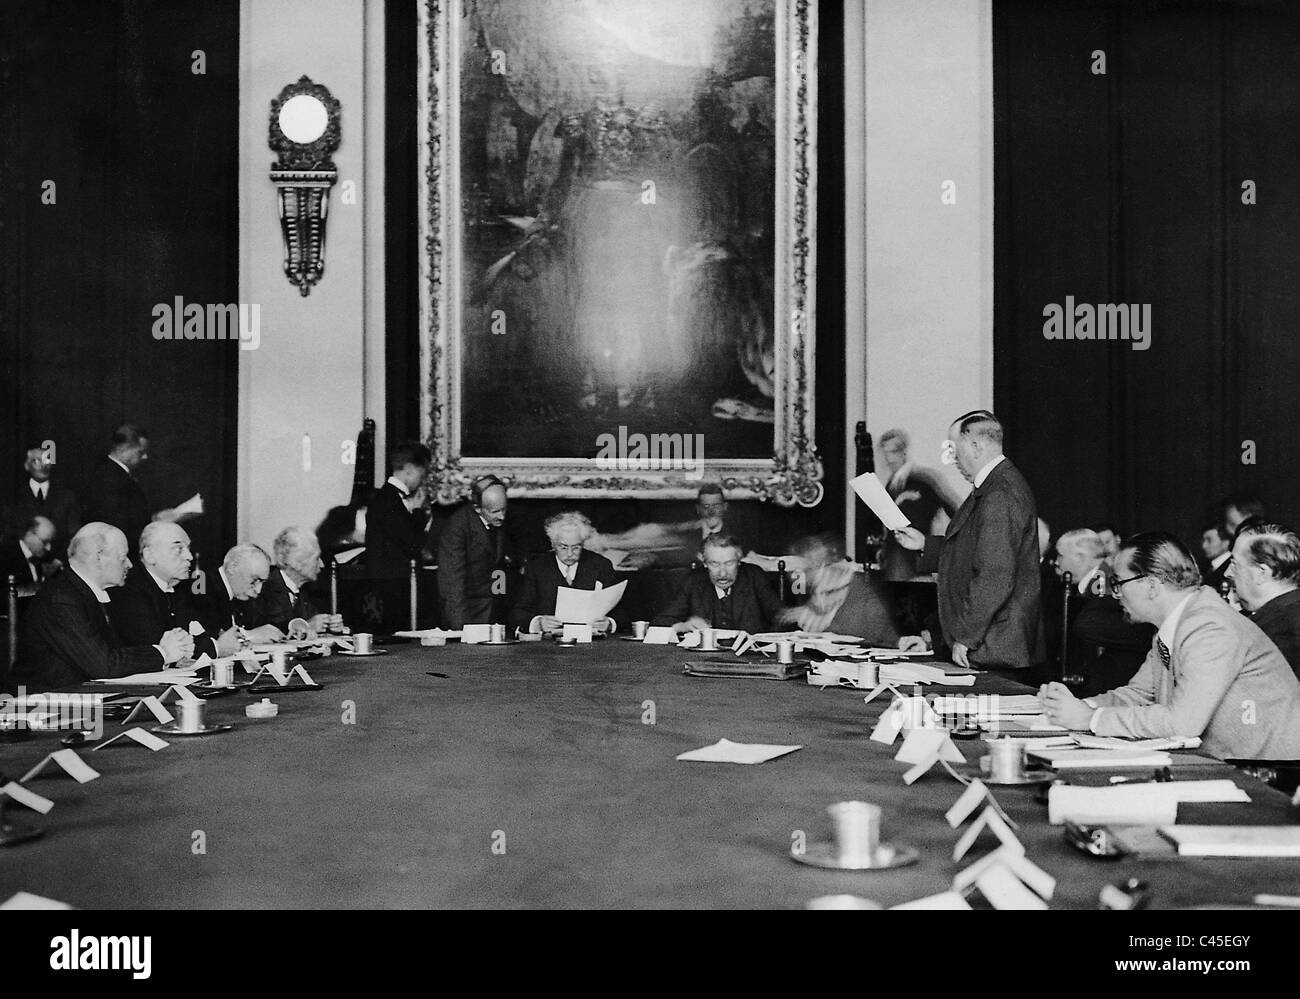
[886, 857]
[173, 728]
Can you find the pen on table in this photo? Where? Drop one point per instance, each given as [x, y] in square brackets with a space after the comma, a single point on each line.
[443, 675]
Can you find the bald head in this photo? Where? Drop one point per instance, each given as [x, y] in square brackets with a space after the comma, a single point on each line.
[98, 553]
[165, 551]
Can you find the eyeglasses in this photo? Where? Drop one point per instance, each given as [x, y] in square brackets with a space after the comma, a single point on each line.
[729, 564]
[1116, 583]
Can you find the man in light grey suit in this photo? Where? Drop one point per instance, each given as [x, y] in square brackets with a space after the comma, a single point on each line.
[1210, 673]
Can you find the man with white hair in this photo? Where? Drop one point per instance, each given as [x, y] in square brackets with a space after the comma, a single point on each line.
[233, 597]
[285, 604]
[67, 637]
[156, 596]
[569, 564]
[1265, 570]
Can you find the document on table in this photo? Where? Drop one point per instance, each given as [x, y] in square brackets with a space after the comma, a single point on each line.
[1100, 759]
[574, 606]
[170, 678]
[1151, 804]
[873, 493]
[1234, 841]
[725, 751]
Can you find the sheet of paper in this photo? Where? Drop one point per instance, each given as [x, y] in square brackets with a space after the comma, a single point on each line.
[976, 791]
[725, 751]
[1133, 745]
[944, 900]
[574, 606]
[920, 743]
[153, 706]
[195, 630]
[428, 633]
[72, 764]
[1100, 759]
[873, 493]
[660, 636]
[1153, 804]
[23, 796]
[26, 901]
[1234, 841]
[1006, 891]
[344, 557]
[177, 677]
[192, 507]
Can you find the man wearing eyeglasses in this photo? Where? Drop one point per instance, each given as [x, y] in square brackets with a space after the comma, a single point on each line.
[730, 594]
[569, 564]
[988, 561]
[67, 637]
[1211, 673]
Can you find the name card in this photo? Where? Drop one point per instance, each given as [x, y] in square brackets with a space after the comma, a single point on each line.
[660, 636]
[138, 735]
[580, 633]
[473, 634]
[23, 796]
[72, 764]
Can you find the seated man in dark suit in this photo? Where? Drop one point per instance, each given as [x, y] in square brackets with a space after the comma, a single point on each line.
[395, 528]
[24, 557]
[472, 545]
[1104, 646]
[233, 598]
[729, 594]
[285, 603]
[66, 634]
[42, 496]
[152, 601]
[571, 565]
[1265, 570]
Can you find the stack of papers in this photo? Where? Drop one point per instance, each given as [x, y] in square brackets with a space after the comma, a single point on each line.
[574, 606]
[1134, 804]
[724, 751]
[1234, 841]
[169, 678]
[1100, 759]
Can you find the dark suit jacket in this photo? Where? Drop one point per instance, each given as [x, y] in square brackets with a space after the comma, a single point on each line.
[218, 610]
[67, 639]
[989, 586]
[1213, 578]
[14, 563]
[868, 612]
[394, 535]
[542, 580]
[60, 506]
[750, 606]
[280, 605]
[1279, 619]
[115, 497]
[467, 555]
[141, 612]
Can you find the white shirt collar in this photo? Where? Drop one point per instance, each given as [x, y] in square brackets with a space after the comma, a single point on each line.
[27, 552]
[287, 581]
[1170, 624]
[40, 488]
[119, 464]
[983, 473]
[1087, 579]
[483, 520]
[100, 594]
[230, 590]
[161, 585]
[721, 592]
[564, 569]
[397, 484]
[1218, 560]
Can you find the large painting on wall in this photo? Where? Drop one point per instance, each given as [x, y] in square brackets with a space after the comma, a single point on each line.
[617, 245]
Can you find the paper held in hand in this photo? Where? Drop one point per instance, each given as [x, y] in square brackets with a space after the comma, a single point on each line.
[574, 606]
[873, 493]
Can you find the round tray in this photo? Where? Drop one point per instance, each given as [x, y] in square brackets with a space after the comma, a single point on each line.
[171, 728]
[362, 655]
[508, 641]
[888, 856]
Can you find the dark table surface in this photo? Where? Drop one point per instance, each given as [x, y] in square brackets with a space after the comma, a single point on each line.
[542, 750]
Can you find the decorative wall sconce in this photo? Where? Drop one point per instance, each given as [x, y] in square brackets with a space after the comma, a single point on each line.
[304, 133]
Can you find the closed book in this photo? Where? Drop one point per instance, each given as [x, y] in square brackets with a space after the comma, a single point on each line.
[749, 669]
[1234, 841]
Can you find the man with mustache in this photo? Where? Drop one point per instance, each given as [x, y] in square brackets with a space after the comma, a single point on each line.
[730, 594]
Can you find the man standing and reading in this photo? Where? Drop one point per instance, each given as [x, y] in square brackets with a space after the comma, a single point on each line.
[989, 584]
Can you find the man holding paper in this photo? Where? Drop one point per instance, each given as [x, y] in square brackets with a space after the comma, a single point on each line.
[989, 582]
[570, 565]
[1211, 673]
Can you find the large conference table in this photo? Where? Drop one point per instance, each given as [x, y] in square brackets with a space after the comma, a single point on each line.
[543, 753]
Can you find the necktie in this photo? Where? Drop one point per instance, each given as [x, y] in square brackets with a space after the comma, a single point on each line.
[1163, 649]
[36, 569]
